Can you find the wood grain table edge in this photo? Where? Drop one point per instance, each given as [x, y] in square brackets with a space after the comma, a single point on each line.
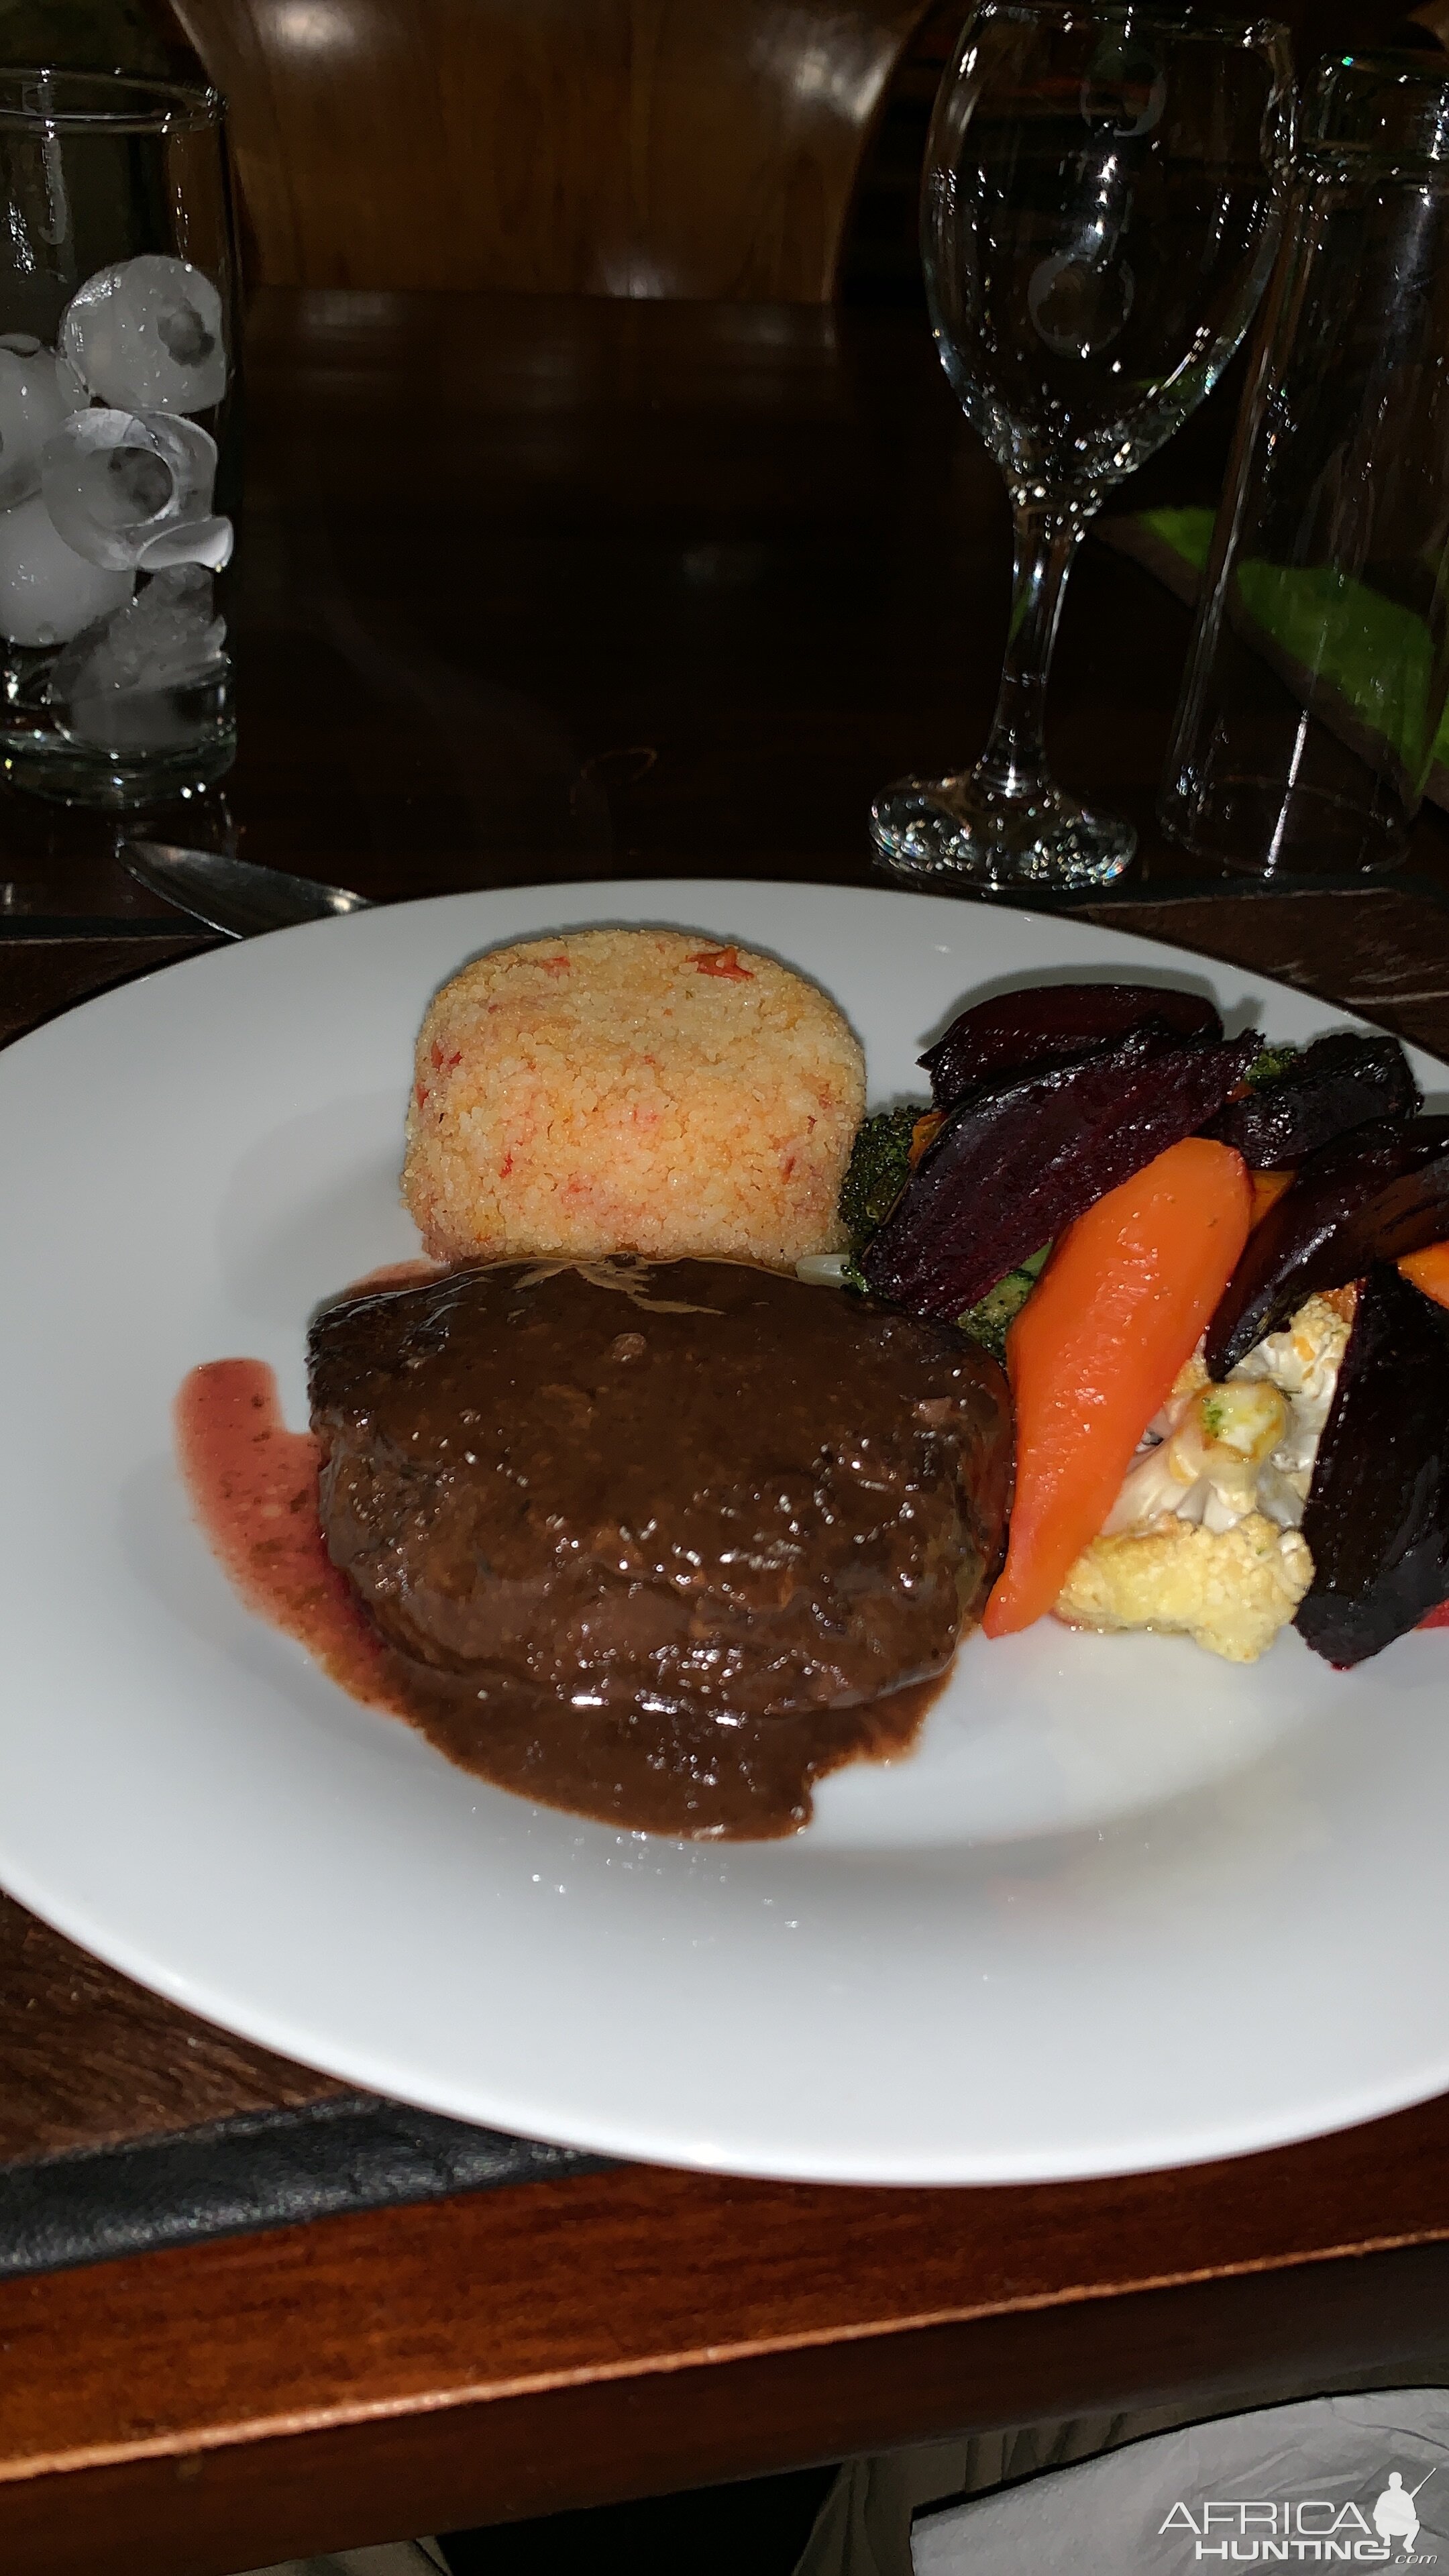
[705, 2356]
[1218, 2343]
[509, 2295]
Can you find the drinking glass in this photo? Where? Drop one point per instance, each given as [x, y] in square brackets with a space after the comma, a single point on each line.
[116, 340]
[1103, 195]
[1319, 667]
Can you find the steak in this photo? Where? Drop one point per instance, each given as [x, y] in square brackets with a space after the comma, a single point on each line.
[687, 1487]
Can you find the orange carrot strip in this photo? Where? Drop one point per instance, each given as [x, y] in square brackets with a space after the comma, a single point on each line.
[1095, 1349]
[924, 1134]
[1429, 1270]
[1268, 1188]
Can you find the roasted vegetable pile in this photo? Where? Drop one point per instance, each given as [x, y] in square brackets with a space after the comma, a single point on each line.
[1065, 1102]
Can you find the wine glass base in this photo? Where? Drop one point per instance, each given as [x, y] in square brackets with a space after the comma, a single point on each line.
[943, 832]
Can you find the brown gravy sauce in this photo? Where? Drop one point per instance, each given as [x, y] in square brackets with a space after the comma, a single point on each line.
[253, 1487]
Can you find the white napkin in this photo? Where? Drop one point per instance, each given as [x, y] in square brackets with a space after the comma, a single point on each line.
[1367, 2474]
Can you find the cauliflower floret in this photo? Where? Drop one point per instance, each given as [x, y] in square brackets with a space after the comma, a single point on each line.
[1215, 1453]
[1203, 1538]
[1210, 1465]
[1230, 1590]
[1303, 1361]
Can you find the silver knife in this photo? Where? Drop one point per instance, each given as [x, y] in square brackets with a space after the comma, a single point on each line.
[233, 895]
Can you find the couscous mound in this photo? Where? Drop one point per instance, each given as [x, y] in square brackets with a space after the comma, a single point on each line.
[648, 1091]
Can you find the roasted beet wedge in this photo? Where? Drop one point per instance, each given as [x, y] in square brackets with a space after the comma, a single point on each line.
[1339, 1083]
[1370, 1196]
[1377, 1522]
[1013, 1165]
[1050, 1023]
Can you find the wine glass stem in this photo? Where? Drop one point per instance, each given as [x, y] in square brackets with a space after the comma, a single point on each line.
[1047, 536]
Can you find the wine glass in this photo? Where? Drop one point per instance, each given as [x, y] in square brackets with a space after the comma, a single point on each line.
[1103, 194]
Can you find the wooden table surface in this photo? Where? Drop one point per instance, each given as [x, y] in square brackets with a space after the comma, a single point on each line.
[536, 590]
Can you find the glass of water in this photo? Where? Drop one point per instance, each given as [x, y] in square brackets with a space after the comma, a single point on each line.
[117, 334]
[1103, 195]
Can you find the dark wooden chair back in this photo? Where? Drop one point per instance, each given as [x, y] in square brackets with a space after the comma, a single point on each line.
[614, 147]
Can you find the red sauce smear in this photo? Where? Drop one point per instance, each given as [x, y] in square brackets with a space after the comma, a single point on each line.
[253, 1487]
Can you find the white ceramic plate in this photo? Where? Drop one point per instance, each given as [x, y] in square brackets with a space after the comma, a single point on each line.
[1125, 1906]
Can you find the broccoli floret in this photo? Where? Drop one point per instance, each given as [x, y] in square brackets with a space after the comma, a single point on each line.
[878, 1170]
[987, 1322]
[1271, 1065]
